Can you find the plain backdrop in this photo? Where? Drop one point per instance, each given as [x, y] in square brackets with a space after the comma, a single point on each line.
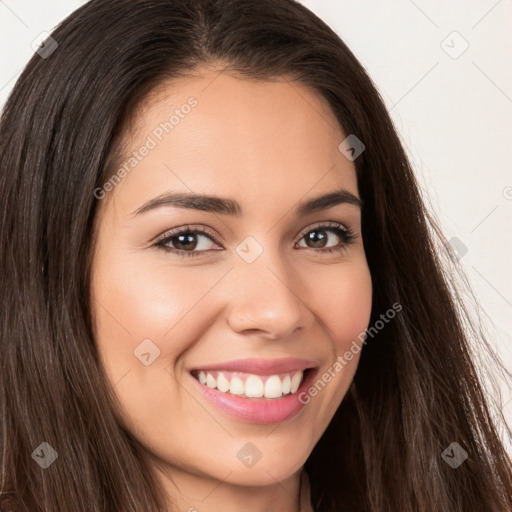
[443, 70]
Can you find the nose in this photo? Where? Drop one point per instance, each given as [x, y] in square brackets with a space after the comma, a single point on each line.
[265, 298]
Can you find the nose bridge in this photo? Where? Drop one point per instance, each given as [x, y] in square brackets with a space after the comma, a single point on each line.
[264, 296]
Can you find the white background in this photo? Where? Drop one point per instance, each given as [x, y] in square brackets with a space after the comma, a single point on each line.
[454, 113]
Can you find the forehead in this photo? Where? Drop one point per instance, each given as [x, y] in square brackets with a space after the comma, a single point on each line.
[216, 133]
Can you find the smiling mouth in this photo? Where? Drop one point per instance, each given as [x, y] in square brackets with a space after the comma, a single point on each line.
[249, 385]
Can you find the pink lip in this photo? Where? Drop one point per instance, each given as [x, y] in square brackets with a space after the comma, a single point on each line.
[258, 410]
[261, 366]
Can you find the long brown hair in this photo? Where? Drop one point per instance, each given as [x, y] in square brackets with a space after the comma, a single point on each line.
[416, 390]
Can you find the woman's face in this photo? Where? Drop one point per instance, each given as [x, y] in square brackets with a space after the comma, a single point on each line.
[268, 289]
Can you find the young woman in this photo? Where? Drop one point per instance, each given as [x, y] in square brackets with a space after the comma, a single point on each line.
[220, 287]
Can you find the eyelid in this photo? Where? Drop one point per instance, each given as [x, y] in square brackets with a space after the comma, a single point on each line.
[324, 224]
[201, 228]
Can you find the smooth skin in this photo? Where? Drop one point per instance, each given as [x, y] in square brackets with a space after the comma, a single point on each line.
[269, 145]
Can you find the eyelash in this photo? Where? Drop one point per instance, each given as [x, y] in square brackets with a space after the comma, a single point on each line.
[345, 233]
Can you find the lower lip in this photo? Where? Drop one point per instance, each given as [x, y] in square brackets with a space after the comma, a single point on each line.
[258, 410]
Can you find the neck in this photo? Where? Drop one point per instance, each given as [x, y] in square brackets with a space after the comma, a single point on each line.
[198, 493]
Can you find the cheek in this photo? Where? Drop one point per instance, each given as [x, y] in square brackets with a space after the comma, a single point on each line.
[148, 314]
[344, 308]
[140, 300]
[344, 304]
[142, 325]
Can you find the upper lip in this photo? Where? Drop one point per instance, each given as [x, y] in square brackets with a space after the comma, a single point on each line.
[261, 366]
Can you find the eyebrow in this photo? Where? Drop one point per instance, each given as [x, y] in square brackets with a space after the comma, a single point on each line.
[226, 206]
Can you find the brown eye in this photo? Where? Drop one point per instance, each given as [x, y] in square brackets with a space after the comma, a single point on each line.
[319, 238]
[187, 242]
[184, 242]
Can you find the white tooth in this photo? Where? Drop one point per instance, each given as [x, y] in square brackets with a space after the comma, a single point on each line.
[236, 386]
[287, 382]
[296, 380]
[210, 381]
[273, 387]
[202, 377]
[222, 383]
[253, 387]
